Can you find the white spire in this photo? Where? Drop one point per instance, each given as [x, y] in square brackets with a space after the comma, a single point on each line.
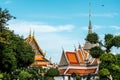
[90, 24]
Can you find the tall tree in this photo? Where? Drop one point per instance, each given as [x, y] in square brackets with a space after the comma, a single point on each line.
[92, 38]
[14, 52]
[4, 18]
[108, 42]
[116, 41]
[96, 52]
[108, 62]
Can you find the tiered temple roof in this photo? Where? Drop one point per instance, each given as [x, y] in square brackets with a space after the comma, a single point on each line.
[39, 58]
[79, 62]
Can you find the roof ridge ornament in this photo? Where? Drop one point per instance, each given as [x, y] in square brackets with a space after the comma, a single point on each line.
[75, 48]
[30, 32]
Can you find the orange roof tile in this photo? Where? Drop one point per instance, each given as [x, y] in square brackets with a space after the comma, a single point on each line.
[41, 63]
[62, 71]
[81, 71]
[72, 58]
[95, 62]
[85, 53]
[80, 55]
[39, 58]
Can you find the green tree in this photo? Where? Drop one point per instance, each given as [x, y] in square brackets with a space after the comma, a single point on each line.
[108, 42]
[104, 73]
[92, 38]
[96, 52]
[109, 62]
[24, 53]
[78, 77]
[118, 59]
[52, 72]
[116, 41]
[24, 75]
[49, 78]
[14, 52]
[73, 75]
[1, 76]
[4, 18]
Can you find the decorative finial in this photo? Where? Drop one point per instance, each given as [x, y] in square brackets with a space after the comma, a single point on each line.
[30, 32]
[75, 48]
[62, 49]
[50, 59]
[33, 32]
[44, 53]
[79, 46]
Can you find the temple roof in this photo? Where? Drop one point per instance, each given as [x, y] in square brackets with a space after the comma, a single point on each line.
[89, 45]
[79, 61]
[31, 40]
[39, 57]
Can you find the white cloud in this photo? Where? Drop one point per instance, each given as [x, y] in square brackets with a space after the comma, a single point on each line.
[7, 2]
[50, 42]
[111, 15]
[106, 14]
[24, 26]
[115, 27]
[94, 27]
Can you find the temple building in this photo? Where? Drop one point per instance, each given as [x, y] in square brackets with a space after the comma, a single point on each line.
[79, 61]
[88, 45]
[39, 58]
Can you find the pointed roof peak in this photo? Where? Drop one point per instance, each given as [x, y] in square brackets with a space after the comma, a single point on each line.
[30, 32]
[79, 47]
[75, 48]
[63, 50]
[33, 32]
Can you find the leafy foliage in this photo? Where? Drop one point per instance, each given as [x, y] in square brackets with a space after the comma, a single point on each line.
[118, 59]
[92, 38]
[4, 18]
[108, 58]
[104, 73]
[73, 74]
[24, 75]
[108, 42]
[109, 61]
[49, 78]
[52, 72]
[1, 75]
[116, 41]
[78, 77]
[96, 52]
[14, 52]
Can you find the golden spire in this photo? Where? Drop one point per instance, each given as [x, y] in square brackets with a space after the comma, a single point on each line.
[33, 32]
[30, 33]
